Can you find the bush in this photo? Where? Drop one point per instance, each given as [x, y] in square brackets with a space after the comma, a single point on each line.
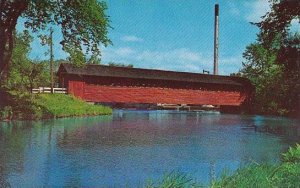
[292, 155]
[174, 180]
[6, 113]
[285, 174]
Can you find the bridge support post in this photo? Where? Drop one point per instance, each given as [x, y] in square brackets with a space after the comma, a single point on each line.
[230, 109]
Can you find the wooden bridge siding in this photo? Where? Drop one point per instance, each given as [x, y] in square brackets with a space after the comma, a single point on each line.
[76, 88]
[98, 93]
[130, 82]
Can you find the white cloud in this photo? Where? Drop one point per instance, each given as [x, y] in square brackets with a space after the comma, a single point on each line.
[181, 54]
[131, 38]
[257, 9]
[228, 65]
[125, 51]
[182, 59]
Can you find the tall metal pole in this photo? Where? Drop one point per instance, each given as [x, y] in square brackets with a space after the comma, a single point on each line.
[216, 40]
[51, 58]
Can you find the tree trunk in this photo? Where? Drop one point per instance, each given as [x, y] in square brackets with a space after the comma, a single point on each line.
[6, 47]
[10, 11]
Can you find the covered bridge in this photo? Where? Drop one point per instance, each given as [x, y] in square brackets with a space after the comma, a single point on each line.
[108, 84]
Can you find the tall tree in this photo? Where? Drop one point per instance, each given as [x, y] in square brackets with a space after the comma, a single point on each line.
[24, 74]
[83, 23]
[273, 62]
[277, 22]
[275, 31]
[267, 76]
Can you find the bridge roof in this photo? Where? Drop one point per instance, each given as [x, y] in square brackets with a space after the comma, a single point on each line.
[138, 73]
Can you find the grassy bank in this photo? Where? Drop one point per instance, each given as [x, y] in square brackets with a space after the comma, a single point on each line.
[32, 107]
[60, 105]
[285, 174]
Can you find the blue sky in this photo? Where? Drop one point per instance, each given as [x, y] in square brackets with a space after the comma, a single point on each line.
[175, 34]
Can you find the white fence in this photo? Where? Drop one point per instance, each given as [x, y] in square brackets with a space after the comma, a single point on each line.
[48, 90]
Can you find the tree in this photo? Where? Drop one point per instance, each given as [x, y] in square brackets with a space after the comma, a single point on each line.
[261, 68]
[273, 62]
[24, 74]
[83, 23]
[289, 53]
[275, 32]
[276, 23]
[113, 64]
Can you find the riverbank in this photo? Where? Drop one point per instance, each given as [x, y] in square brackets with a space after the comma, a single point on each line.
[285, 174]
[45, 106]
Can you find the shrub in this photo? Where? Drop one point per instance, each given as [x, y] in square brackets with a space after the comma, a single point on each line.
[285, 174]
[174, 180]
[292, 155]
[6, 113]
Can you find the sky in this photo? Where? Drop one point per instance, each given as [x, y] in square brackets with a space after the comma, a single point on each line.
[174, 34]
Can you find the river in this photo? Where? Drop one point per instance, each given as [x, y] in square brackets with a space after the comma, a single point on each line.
[130, 147]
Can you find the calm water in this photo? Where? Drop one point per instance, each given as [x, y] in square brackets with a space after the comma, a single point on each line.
[130, 147]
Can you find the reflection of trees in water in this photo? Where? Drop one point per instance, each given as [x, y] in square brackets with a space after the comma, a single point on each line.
[214, 141]
[13, 143]
[174, 136]
[137, 129]
[12, 147]
[131, 129]
[279, 127]
[127, 134]
[3, 181]
[290, 131]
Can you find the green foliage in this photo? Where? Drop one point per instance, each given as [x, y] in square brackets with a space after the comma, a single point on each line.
[76, 57]
[285, 174]
[24, 106]
[20, 106]
[275, 74]
[113, 64]
[174, 180]
[25, 74]
[83, 23]
[251, 176]
[292, 155]
[6, 113]
[267, 77]
[94, 60]
[61, 105]
[264, 176]
[276, 23]
[289, 53]
[273, 62]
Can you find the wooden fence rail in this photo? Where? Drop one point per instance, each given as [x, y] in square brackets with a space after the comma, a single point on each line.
[48, 90]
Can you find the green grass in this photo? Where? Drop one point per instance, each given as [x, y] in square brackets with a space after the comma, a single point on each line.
[60, 105]
[25, 106]
[174, 180]
[285, 174]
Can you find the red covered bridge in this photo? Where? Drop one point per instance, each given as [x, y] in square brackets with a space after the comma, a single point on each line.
[107, 84]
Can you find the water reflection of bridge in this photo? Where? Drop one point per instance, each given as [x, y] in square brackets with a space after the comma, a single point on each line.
[139, 141]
